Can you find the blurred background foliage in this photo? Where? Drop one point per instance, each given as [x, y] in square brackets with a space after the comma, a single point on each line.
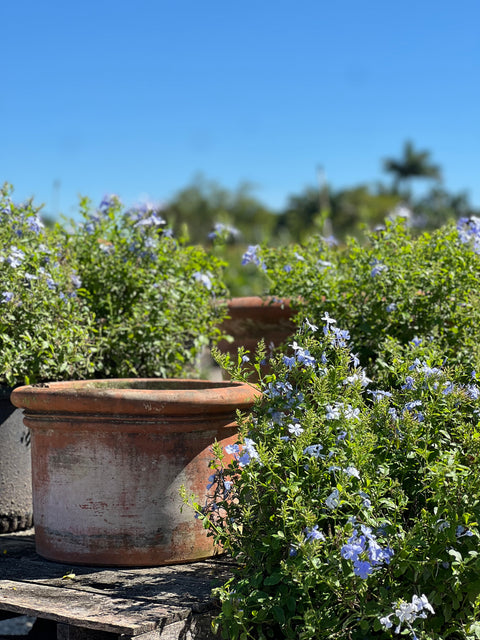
[195, 210]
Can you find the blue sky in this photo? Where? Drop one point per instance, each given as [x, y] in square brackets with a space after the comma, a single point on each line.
[135, 98]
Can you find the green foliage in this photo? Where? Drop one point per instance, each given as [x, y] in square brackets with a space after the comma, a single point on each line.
[46, 331]
[196, 209]
[351, 509]
[394, 288]
[155, 300]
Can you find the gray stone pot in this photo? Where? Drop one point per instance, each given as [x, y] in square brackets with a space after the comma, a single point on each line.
[16, 511]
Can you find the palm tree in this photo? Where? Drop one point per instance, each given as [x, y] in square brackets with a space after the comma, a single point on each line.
[413, 164]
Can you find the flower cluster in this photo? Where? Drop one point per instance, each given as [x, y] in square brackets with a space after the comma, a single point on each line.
[407, 613]
[365, 552]
[345, 493]
[46, 330]
[154, 298]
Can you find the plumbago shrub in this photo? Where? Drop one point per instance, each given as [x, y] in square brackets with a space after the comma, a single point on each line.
[351, 509]
[155, 300]
[46, 332]
[393, 285]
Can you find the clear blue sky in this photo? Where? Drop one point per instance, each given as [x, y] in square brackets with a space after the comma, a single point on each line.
[136, 97]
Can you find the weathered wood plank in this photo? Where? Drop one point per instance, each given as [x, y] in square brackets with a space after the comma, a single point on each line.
[194, 627]
[98, 603]
[189, 584]
[90, 610]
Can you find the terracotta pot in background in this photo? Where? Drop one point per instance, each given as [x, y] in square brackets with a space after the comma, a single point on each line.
[109, 458]
[253, 318]
[15, 468]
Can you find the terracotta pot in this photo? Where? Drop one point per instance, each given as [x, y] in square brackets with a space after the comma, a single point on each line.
[251, 319]
[15, 468]
[109, 458]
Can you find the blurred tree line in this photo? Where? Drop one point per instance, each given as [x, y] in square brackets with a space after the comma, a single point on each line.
[196, 209]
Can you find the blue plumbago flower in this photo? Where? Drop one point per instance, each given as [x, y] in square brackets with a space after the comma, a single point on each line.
[362, 568]
[16, 257]
[249, 452]
[472, 391]
[75, 280]
[278, 389]
[152, 220]
[379, 394]
[350, 413]
[313, 533]
[295, 429]
[51, 284]
[109, 202]
[333, 500]
[423, 367]
[407, 613]
[312, 327]
[357, 377]
[278, 417]
[313, 451]
[250, 255]
[341, 337]
[89, 227]
[289, 361]
[462, 531]
[245, 358]
[393, 413]
[232, 449]
[6, 209]
[377, 267]
[352, 471]
[442, 524]
[469, 231]
[211, 481]
[292, 552]
[299, 257]
[334, 412]
[409, 384]
[449, 388]
[324, 263]
[203, 278]
[367, 503]
[416, 341]
[354, 359]
[221, 230]
[327, 319]
[391, 307]
[7, 296]
[287, 268]
[341, 436]
[303, 355]
[35, 224]
[365, 552]
[411, 405]
[331, 241]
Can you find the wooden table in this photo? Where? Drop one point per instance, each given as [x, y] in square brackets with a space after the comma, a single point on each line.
[98, 603]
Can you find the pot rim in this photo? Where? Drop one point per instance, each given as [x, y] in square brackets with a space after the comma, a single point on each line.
[135, 396]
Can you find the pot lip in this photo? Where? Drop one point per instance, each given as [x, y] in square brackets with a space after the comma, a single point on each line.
[247, 302]
[135, 396]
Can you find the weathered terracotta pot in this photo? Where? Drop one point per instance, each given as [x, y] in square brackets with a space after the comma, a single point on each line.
[109, 458]
[15, 468]
[252, 318]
